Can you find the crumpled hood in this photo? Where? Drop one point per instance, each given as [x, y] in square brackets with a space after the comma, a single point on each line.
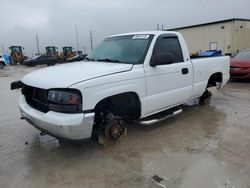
[65, 75]
[243, 63]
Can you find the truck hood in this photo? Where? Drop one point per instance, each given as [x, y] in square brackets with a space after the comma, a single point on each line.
[65, 75]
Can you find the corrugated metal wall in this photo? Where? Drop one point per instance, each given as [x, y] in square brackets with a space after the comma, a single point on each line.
[229, 36]
[241, 35]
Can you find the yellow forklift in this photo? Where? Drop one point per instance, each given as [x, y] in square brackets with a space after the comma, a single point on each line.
[16, 55]
[67, 52]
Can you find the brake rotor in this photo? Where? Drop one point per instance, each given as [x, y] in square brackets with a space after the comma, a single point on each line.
[114, 129]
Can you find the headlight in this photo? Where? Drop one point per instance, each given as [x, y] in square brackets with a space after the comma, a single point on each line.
[68, 100]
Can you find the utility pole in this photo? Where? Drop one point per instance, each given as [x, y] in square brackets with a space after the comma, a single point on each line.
[77, 39]
[162, 27]
[91, 41]
[37, 44]
[158, 27]
[3, 51]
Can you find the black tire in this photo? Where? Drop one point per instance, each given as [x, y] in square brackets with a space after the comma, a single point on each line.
[1, 65]
[205, 98]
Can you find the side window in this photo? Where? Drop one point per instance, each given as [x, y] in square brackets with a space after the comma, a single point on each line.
[169, 45]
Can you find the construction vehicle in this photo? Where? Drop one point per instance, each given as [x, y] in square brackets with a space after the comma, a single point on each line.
[52, 51]
[67, 52]
[16, 55]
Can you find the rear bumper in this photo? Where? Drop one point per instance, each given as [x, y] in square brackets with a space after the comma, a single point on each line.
[61, 125]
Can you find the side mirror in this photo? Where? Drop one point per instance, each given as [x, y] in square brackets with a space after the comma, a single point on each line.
[162, 59]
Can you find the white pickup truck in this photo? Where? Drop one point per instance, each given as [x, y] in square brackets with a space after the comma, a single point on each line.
[142, 76]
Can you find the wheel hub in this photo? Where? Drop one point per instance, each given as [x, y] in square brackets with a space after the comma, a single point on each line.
[115, 129]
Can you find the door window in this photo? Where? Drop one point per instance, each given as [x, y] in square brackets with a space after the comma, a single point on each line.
[169, 44]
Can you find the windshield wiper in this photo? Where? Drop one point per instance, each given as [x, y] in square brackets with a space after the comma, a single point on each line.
[109, 60]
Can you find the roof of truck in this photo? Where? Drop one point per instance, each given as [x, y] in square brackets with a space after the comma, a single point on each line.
[145, 33]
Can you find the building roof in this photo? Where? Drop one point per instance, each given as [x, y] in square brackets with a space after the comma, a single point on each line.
[210, 23]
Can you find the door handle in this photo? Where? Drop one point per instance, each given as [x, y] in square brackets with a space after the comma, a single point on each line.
[184, 71]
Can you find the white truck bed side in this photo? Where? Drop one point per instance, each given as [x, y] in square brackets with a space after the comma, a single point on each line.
[204, 68]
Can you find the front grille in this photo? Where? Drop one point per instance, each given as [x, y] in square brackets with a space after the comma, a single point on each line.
[36, 97]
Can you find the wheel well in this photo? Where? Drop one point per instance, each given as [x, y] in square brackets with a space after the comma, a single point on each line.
[214, 78]
[125, 104]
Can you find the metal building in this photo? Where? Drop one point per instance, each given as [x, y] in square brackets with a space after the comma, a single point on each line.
[226, 35]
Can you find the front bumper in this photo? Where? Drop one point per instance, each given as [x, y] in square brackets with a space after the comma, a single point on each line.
[61, 125]
[240, 74]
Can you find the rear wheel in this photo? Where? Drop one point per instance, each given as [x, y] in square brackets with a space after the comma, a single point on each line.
[205, 98]
[215, 80]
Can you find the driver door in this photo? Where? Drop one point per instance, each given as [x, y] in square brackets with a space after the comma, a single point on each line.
[169, 84]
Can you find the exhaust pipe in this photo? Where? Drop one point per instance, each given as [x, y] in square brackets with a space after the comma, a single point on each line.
[154, 121]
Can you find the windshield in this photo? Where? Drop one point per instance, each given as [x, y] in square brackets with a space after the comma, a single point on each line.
[67, 49]
[16, 49]
[243, 55]
[129, 49]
